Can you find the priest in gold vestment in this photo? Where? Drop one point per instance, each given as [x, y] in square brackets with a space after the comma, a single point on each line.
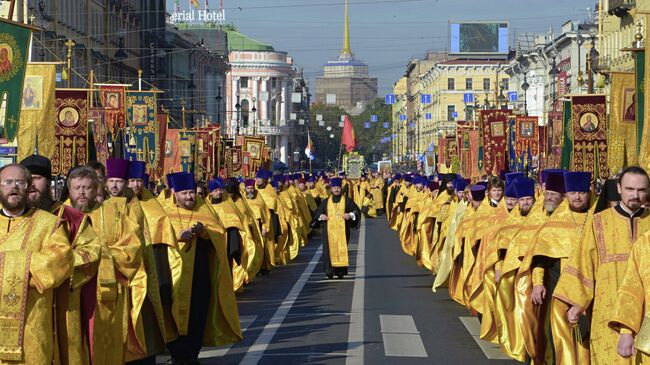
[77, 294]
[591, 278]
[336, 215]
[202, 275]
[120, 260]
[35, 258]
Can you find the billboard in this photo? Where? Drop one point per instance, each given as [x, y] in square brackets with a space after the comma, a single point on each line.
[195, 12]
[478, 38]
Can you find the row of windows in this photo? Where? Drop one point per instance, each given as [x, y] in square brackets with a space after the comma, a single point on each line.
[469, 84]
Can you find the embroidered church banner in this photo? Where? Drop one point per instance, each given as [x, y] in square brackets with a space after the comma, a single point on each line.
[494, 138]
[527, 143]
[71, 130]
[589, 128]
[14, 40]
[141, 130]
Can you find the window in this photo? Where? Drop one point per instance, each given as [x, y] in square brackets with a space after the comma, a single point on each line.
[506, 84]
[468, 84]
[486, 84]
[451, 109]
[450, 84]
[243, 82]
[274, 82]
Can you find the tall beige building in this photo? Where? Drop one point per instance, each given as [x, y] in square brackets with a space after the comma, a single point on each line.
[345, 81]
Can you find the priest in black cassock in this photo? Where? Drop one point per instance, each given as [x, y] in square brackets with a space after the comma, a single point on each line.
[336, 215]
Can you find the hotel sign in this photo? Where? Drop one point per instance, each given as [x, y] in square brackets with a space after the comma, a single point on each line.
[192, 14]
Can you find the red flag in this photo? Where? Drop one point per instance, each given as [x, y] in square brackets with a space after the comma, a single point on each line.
[349, 138]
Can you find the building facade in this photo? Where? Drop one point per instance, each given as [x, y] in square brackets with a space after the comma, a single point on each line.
[260, 95]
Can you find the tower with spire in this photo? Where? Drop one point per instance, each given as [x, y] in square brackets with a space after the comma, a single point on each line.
[345, 81]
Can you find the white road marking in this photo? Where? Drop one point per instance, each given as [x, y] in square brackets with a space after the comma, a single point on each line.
[492, 351]
[401, 337]
[245, 321]
[255, 352]
[355, 334]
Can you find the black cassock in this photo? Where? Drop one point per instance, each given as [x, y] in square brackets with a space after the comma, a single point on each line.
[350, 207]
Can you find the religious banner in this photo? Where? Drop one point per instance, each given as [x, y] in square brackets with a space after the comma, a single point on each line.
[254, 145]
[36, 131]
[207, 140]
[112, 99]
[233, 157]
[186, 149]
[100, 134]
[442, 154]
[467, 141]
[621, 143]
[494, 138]
[171, 153]
[141, 130]
[14, 41]
[158, 171]
[246, 164]
[589, 129]
[513, 161]
[527, 143]
[71, 130]
[541, 161]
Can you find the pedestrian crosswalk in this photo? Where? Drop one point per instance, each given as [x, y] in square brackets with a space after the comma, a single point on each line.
[401, 337]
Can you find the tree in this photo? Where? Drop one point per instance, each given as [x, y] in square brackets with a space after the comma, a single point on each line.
[372, 142]
[326, 148]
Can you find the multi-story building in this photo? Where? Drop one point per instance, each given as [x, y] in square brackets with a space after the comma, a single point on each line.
[448, 82]
[260, 93]
[399, 124]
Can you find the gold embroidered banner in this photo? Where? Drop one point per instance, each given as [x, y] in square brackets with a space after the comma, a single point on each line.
[71, 130]
[621, 142]
[589, 123]
[37, 110]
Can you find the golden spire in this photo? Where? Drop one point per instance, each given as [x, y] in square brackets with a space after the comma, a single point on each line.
[346, 33]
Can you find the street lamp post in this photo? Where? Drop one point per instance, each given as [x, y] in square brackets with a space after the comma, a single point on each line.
[254, 110]
[525, 87]
[237, 107]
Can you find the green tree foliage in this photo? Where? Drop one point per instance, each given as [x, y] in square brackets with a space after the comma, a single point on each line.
[368, 140]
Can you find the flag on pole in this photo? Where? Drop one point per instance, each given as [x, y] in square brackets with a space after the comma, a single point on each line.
[309, 150]
[194, 3]
[349, 138]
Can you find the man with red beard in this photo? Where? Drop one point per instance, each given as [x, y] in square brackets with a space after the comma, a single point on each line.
[75, 298]
[35, 258]
[119, 262]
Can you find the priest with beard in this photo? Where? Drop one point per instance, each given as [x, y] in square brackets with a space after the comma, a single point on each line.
[35, 258]
[336, 215]
[74, 298]
[204, 304]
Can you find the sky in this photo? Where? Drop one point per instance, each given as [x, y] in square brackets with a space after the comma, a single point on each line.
[386, 34]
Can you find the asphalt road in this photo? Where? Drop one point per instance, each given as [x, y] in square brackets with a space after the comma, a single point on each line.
[382, 313]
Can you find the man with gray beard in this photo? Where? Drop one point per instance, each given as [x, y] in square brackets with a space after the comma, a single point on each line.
[553, 191]
[35, 258]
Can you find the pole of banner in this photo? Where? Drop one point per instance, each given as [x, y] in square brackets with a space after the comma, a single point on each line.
[139, 79]
[69, 43]
[11, 9]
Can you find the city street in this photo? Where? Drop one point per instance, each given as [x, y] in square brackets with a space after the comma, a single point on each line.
[383, 313]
